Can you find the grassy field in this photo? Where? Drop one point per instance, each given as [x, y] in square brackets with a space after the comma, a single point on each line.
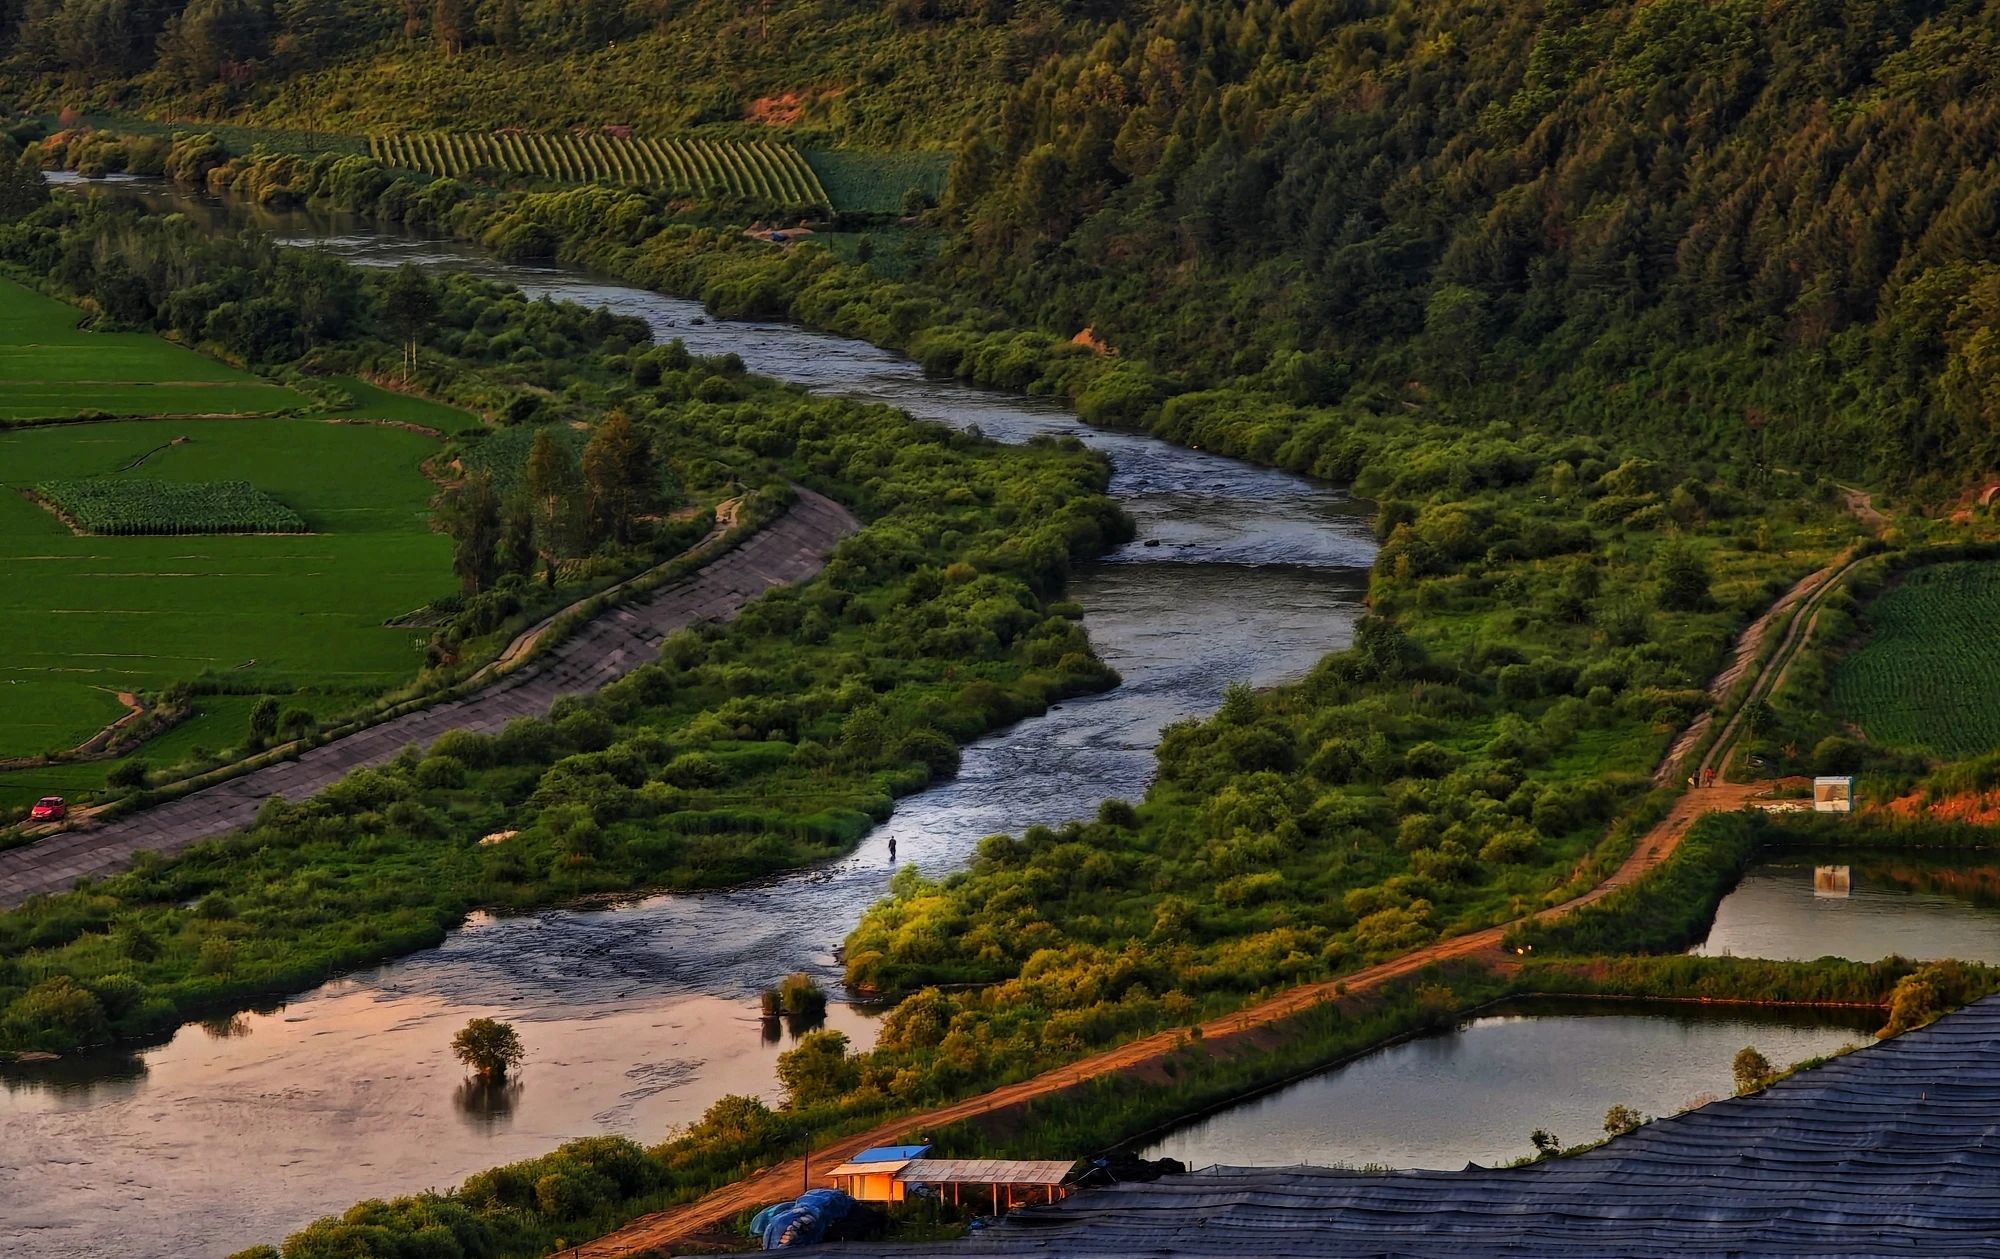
[1929, 675]
[85, 617]
[372, 402]
[52, 370]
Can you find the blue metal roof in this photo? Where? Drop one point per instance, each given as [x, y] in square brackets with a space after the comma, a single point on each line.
[891, 1154]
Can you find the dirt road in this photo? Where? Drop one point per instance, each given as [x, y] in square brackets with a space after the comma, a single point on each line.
[660, 1232]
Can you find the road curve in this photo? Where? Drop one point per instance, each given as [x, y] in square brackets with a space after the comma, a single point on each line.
[663, 1231]
[790, 549]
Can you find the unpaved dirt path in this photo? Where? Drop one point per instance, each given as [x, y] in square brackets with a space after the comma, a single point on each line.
[1813, 588]
[791, 549]
[662, 1231]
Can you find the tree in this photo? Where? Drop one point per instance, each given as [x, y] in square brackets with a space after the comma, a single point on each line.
[264, 721]
[517, 534]
[1684, 578]
[470, 514]
[1621, 1119]
[450, 20]
[489, 1047]
[818, 1069]
[1752, 1069]
[1546, 1143]
[21, 191]
[621, 478]
[507, 25]
[555, 492]
[412, 306]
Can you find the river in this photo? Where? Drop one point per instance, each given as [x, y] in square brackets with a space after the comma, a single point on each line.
[636, 1018]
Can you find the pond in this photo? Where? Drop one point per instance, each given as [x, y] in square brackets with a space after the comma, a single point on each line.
[1863, 906]
[1474, 1093]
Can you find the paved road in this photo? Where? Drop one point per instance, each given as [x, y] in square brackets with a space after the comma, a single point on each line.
[790, 549]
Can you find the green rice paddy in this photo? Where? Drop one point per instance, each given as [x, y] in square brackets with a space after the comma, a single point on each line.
[300, 617]
[52, 370]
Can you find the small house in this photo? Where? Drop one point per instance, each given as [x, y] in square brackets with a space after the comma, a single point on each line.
[870, 1176]
[1833, 795]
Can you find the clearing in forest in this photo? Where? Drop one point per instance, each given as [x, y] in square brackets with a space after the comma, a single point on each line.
[50, 369]
[1929, 675]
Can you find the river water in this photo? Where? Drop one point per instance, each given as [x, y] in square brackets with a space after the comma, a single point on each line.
[636, 1018]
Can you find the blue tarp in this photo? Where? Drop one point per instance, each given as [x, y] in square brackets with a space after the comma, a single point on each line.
[890, 1153]
[803, 1221]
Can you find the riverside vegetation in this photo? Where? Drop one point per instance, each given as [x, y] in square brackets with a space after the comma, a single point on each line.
[1529, 278]
[749, 747]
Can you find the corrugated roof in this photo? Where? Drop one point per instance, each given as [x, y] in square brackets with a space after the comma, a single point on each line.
[1893, 1150]
[889, 1153]
[986, 1171]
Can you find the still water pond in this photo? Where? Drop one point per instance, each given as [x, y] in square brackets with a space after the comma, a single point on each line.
[1474, 1094]
[1862, 906]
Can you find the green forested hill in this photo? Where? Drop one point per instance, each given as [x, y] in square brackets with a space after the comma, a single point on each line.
[1761, 227]
[1725, 221]
[910, 73]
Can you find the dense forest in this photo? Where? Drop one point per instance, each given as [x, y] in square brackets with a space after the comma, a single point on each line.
[1769, 231]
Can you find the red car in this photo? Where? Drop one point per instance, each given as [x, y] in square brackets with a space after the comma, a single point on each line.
[49, 809]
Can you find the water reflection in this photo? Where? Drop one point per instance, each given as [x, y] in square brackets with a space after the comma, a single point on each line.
[1862, 906]
[1475, 1093]
[487, 1104]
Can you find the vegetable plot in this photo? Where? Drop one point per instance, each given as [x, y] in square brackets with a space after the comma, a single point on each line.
[119, 506]
[1929, 675]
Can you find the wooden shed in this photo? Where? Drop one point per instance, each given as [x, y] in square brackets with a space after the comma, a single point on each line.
[1011, 1182]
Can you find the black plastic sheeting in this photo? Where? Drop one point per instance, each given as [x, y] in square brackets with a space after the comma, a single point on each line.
[1891, 1150]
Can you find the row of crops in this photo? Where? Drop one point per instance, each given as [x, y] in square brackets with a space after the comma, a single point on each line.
[135, 506]
[1926, 677]
[754, 172]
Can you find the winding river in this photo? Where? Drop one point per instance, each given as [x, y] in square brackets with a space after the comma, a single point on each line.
[636, 1018]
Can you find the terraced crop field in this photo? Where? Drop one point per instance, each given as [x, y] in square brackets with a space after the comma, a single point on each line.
[760, 173]
[1929, 675]
[50, 369]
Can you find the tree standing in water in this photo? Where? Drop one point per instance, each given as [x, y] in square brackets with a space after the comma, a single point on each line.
[489, 1047]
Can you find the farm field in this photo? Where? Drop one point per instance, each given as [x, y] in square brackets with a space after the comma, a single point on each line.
[1929, 675]
[50, 369]
[771, 175]
[877, 183]
[373, 402]
[295, 616]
